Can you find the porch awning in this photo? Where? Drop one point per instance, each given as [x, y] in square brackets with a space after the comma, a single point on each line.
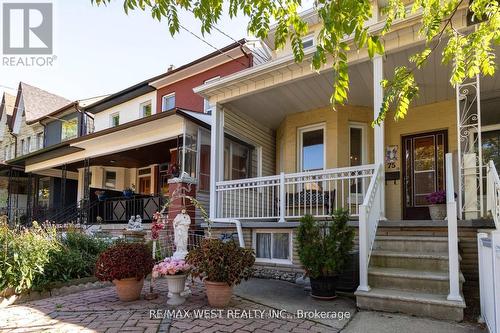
[135, 134]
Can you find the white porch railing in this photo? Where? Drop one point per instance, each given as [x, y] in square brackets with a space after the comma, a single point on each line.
[291, 196]
[488, 244]
[369, 215]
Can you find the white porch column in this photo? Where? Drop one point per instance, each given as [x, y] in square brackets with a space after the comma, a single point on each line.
[378, 143]
[216, 156]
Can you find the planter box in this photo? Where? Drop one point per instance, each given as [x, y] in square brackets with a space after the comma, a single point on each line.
[349, 279]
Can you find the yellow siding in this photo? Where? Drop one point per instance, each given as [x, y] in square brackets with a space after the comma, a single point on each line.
[337, 135]
[427, 118]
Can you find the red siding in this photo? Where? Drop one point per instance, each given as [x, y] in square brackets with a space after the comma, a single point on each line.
[185, 97]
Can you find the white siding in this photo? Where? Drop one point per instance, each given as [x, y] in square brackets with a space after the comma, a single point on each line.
[129, 111]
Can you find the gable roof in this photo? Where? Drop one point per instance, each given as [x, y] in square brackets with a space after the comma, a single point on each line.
[37, 103]
[7, 104]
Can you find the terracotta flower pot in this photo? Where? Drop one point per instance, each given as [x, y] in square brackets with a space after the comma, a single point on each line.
[129, 289]
[218, 293]
[437, 212]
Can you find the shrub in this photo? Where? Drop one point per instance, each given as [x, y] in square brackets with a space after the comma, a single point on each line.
[24, 254]
[124, 260]
[323, 247]
[74, 258]
[218, 261]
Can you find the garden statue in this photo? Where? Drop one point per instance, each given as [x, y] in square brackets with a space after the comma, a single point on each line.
[181, 226]
[135, 223]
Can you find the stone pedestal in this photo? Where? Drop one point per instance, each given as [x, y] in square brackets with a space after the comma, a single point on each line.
[134, 235]
[177, 189]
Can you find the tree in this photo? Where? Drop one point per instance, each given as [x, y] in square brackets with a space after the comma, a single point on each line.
[469, 54]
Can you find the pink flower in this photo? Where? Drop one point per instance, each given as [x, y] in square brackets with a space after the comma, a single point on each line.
[170, 266]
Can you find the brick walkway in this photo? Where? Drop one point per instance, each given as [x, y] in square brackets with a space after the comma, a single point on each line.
[100, 311]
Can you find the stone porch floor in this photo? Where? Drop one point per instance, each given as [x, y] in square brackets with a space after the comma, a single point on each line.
[99, 310]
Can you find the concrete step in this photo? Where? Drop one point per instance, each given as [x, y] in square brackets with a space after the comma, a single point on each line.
[411, 280]
[410, 302]
[417, 261]
[411, 244]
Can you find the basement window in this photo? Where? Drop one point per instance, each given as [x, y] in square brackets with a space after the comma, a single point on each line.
[273, 246]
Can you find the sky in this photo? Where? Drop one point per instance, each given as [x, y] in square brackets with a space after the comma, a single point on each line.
[101, 50]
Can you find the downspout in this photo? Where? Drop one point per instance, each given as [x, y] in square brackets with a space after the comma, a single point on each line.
[248, 56]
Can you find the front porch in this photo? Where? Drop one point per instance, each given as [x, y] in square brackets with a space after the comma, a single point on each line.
[129, 170]
[302, 158]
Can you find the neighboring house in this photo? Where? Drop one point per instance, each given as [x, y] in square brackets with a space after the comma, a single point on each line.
[142, 135]
[6, 142]
[295, 156]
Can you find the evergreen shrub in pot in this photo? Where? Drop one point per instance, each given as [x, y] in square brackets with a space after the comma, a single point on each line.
[323, 248]
[221, 265]
[126, 265]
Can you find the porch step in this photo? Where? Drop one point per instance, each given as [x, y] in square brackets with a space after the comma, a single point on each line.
[433, 261]
[410, 302]
[412, 244]
[410, 280]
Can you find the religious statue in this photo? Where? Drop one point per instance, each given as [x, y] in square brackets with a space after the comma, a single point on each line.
[181, 226]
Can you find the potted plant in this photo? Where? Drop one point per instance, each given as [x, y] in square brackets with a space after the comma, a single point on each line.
[129, 191]
[101, 195]
[126, 265]
[323, 249]
[437, 208]
[175, 270]
[221, 265]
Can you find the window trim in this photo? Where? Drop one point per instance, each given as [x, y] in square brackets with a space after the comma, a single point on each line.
[300, 132]
[40, 140]
[141, 108]
[306, 39]
[105, 179]
[273, 231]
[364, 141]
[75, 118]
[111, 116]
[163, 98]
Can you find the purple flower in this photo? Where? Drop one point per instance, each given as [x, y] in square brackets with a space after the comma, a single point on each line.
[435, 198]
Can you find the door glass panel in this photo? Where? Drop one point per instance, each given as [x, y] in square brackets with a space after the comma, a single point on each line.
[355, 141]
[312, 150]
[424, 154]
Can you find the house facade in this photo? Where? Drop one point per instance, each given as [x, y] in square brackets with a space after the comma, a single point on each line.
[297, 156]
[142, 137]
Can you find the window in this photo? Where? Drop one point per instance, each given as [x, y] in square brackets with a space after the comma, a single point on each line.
[28, 144]
[204, 169]
[272, 246]
[146, 109]
[207, 108]
[44, 192]
[23, 147]
[237, 160]
[69, 129]
[168, 102]
[312, 148]
[308, 41]
[110, 179]
[39, 140]
[115, 119]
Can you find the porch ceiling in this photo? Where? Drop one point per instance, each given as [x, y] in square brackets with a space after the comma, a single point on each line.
[157, 153]
[270, 106]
